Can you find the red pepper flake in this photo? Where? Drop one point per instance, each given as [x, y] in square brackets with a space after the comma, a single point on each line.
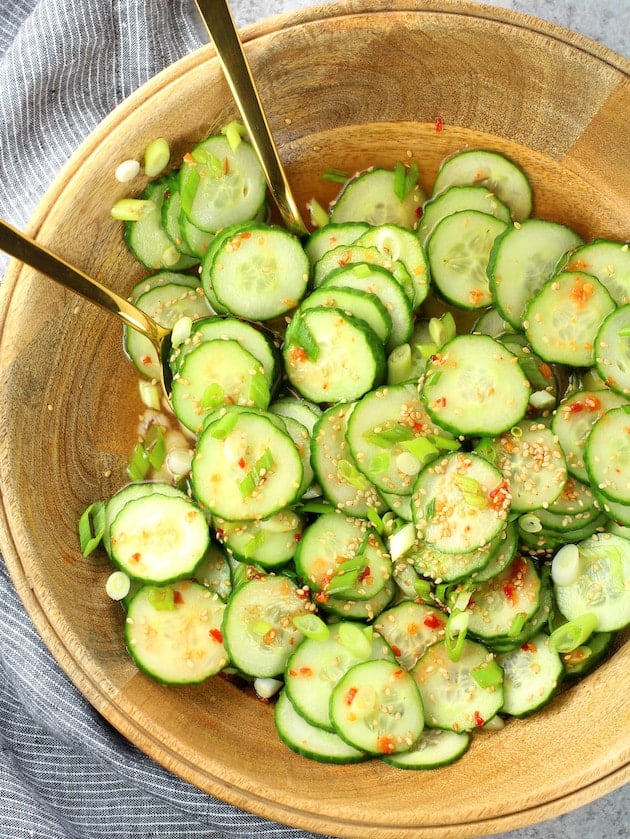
[396, 650]
[188, 158]
[509, 591]
[344, 259]
[365, 574]
[441, 402]
[433, 621]
[499, 495]
[242, 462]
[439, 124]
[350, 694]
[321, 597]
[529, 647]
[226, 166]
[220, 533]
[386, 744]
[546, 370]
[216, 634]
[479, 720]
[146, 359]
[298, 354]
[582, 291]
[419, 212]
[398, 674]
[297, 537]
[136, 557]
[177, 598]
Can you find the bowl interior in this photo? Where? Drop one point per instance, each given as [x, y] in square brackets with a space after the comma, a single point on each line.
[347, 86]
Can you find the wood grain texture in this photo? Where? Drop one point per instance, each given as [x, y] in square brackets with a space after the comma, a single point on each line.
[346, 85]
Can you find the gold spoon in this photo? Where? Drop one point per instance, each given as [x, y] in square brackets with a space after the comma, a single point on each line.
[22, 247]
[219, 22]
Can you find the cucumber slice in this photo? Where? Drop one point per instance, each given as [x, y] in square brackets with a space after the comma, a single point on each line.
[563, 319]
[376, 280]
[165, 302]
[330, 356]
[214, 571]
[384, 432]
[458, 251]
[474, 386]
[452, 567]
[309, 740]
[245, 467]
[410, 628]
[258, 629]
[376, 707]
[159, 538]
[137, 489]
[505, 601]
[454, 199]
[147, 239]
[532, 461]
[523, 258]
[607, 455]
[174, 632]
[331, 236]
[342, 484]
[215, 373]
[316, 666]
[436, 747]
[305, 412]
[219, 185]
[226, 328]
[573, 421]
[360, 304]
[401, 245]
[531, 676]
[612, 350]
[460, 503]
[358, 610]
[171, 214]
[347, 256]
[259, 273]
[608, 261]
[374, 197]
[269, 542]
[501, 558]
[452, 697]
[302, 439]
[601, 586]
[478, 167]
[343, 556]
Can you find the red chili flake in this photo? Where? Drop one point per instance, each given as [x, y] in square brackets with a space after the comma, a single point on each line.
[305, 671]
[177, 598]
[350, 694]
[592, 403]
[396, 650]
[344, 259]
[220, 533]
[479, 720]
[365, 574]
[528, 647]
[136, 557]
[298, 354]
[386, 744]
[582, 291]
[433, 621]
[188, 158]
[242, 462]
[398, 674]
[297, 537]
[509, 591]
[439, 124]
[321, 597]
[498, 495]
[226, 166]
[441, 402]
[546, 370]
[216, 634]
[146, 359]
[418, 426]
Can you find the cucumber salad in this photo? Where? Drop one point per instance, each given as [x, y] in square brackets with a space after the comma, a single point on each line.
[390, 489]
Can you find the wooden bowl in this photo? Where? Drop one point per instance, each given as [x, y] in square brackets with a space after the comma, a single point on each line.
[346, 85]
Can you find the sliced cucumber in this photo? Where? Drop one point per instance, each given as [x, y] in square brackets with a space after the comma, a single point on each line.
[259, 273]
[523, 258]
[607, 455]
[330, 356]
[350, 255]
[331, 236]
[159, 538]
[174, 632]
[461, 390]
[376, 197]
[245, 467]
[452, 697]
[531, 676]
[435, 747]
[309, 740]
[478, 167]
[563, 319]
[401, 245]
[376, 707]
[269, 542]
[360, 304]
[460, 503]
[219, 185]
[456, 198]
[258, 629]
[608, 261]
[410, 628]
[458, 251]
[612, 350]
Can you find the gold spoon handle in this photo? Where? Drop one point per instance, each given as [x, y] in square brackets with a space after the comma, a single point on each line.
[219, 22]
[22, 247]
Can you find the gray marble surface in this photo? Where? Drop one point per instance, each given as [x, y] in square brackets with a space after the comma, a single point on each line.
[606, 21]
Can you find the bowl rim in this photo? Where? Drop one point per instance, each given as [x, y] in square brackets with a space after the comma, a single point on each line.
[44, 623]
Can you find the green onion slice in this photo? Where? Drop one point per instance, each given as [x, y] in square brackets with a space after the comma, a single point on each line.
[92, 527]
[574, 633]
[311, 626]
